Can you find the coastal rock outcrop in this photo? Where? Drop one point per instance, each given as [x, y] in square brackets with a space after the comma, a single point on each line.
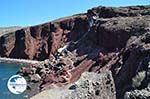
[118, 41]
[89, 86]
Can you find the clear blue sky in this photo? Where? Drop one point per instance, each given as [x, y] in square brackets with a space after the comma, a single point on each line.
[32, 12]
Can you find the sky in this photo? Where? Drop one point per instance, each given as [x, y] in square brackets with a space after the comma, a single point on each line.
[33, 12]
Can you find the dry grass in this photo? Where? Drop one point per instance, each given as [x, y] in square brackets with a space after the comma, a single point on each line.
[5, 30]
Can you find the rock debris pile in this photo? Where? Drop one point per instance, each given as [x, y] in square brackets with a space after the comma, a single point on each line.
[105, 39]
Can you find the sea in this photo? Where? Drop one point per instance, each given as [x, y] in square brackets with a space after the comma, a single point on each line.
[6, 71]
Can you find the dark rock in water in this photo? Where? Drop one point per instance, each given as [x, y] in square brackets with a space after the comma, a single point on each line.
[103, 39]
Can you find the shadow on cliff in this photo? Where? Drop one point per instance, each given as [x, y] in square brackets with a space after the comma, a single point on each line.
[19, 48]
[2, 48]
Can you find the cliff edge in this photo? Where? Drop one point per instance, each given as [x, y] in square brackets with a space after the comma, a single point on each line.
[103, 39]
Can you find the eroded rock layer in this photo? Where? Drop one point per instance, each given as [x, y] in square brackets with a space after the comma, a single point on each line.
[89, 86]
[118, 41]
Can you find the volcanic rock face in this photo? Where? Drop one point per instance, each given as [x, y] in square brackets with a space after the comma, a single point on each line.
[38, 42]
[94, 86]
[118, 41]
[89, 86]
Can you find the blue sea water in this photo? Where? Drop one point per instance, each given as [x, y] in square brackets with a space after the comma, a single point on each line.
[6, 71]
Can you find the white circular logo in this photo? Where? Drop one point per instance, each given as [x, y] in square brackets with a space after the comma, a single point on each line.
[17, 84]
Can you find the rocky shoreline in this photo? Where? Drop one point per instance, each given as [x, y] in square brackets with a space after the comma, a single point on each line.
[110, 40]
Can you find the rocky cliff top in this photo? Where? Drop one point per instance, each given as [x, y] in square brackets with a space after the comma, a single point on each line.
[115, 39]
[4, 30]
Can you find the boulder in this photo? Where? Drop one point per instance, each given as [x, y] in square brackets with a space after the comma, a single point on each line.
[35, 77]
[89, 86]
